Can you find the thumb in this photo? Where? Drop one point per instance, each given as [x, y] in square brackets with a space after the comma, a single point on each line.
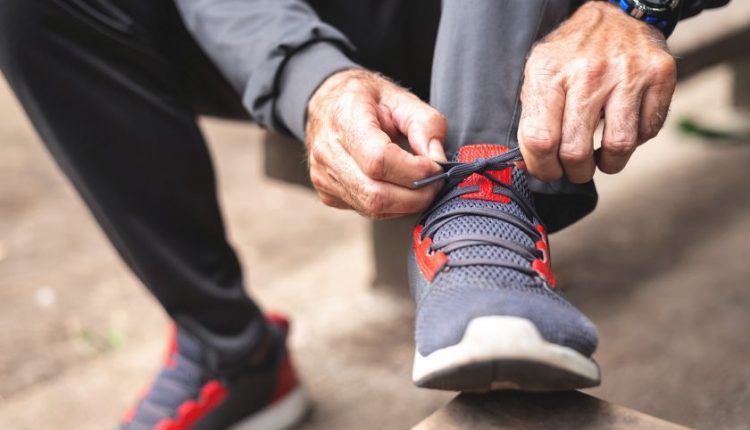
[422, 124]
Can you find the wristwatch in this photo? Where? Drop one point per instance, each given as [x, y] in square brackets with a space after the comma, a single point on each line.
[662, 14]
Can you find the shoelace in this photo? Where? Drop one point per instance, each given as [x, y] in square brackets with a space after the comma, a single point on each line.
[454, 173]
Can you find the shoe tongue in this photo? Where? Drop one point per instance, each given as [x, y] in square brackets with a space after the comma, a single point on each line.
[189, 347]
[469, 153]
[508, 175]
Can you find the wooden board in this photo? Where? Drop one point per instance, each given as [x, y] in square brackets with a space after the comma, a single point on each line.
[530, 411]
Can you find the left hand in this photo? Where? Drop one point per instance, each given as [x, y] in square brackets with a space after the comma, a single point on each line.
[600, 61]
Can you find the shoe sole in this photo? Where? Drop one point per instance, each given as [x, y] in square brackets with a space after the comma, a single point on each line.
[504, 353]
[281, 415]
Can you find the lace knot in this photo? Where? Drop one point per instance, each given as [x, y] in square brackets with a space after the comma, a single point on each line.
[457, 171]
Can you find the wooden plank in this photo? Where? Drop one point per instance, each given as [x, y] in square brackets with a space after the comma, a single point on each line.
[536, 411]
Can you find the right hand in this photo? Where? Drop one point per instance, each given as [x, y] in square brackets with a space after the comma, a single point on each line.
[354, 118]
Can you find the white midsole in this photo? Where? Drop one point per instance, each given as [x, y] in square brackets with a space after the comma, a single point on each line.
[503, 338]
[280, 415]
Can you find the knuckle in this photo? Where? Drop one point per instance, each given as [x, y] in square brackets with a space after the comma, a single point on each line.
[539, 66]
[435, 117]
[375, 165]
[574, 155]
[316, 180]
[352, 85]
[620, 145]
[540, 141]
[664, 66]
[373, 200]
[326, 199]
[590, 69]
[316, 153]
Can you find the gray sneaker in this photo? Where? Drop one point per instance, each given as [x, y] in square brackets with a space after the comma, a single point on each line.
[488, 314]
[185, 395]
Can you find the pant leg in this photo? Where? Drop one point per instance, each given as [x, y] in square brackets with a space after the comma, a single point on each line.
[97, 85]
[477, 73]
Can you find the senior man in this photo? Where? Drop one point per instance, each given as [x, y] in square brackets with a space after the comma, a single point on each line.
[114, 88]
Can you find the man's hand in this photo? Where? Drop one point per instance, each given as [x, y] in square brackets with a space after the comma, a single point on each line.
[598, 61]
[354, 120]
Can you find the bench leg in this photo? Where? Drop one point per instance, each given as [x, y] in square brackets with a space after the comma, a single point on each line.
[390, 244]
[741, 90]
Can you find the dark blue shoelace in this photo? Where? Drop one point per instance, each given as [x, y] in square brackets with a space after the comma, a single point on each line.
[454, 173]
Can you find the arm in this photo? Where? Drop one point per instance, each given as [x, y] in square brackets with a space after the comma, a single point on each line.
[275, 53]
[289, 65]
[599, 61]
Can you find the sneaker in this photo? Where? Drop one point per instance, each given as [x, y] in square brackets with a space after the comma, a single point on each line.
[488, 314]
[185, 395]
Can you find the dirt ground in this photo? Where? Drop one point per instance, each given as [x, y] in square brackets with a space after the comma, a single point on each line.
[661, 267]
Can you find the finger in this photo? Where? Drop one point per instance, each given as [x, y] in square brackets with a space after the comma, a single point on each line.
[370, 197]
[539, 129]
[380, 199]
[658, 96]
[332, 201]
[583, 108]
[423, 125]
[328, 189]
[620, 138]
[654, 111]
[379, 158]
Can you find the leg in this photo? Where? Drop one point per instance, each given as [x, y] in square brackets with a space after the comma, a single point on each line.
[488, 313]
[476, 80]
[478, 68]
[97, 87]
[108, 87]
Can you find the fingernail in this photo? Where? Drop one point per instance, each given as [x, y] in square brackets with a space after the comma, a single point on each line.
[435, 149]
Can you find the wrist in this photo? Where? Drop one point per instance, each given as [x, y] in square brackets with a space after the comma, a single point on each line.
[333, 84]
[661, 15]
[606, 11]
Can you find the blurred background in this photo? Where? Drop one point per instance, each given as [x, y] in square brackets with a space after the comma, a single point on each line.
[662, 267]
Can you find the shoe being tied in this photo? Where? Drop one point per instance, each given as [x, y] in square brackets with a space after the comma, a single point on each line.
[488, 314]
[186, 396]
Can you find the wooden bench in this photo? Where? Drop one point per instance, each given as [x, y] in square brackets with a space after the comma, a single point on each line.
[570, 410]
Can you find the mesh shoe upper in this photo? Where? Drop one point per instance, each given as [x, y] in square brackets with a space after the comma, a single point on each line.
[490, 267]
[185, 394]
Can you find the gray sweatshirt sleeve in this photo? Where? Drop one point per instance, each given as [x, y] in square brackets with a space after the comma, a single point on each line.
[274, 52]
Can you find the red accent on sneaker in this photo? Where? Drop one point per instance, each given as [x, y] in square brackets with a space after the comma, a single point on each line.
[544, 266]
[278, 319]
[286, 378]
[129, 414]
[469, 153]
[190, 411]
[171, 346]
[429, 262]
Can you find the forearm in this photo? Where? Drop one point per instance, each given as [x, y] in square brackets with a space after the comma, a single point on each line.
[275, 53]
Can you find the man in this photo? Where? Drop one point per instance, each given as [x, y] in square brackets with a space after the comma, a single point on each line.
[114, 87]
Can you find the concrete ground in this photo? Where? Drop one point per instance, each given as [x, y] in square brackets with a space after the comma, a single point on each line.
[661, 267]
